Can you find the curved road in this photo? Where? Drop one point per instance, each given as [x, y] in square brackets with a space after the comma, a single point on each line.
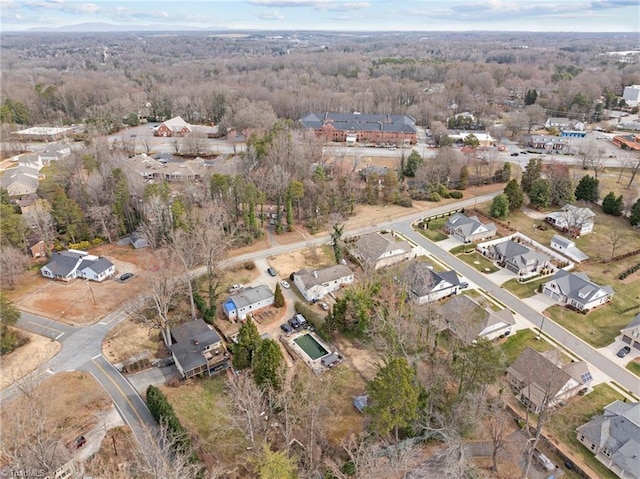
[82, 347]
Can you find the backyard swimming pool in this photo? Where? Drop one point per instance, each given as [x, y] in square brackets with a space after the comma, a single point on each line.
[310, 346]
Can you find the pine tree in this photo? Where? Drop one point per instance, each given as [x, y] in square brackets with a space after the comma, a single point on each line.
[587, 189]
[532, 172]
[278, 300]
[540, 194]
[634, 219]
[612, 205]
[515, 195]
[267, 364]
[248, 342]
[500, 206]
[464, 177]
[530, 97]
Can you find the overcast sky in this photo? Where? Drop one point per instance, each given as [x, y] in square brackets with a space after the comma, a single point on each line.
[352, 15]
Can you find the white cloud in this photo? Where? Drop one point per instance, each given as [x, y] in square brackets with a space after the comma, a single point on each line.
[271, 15]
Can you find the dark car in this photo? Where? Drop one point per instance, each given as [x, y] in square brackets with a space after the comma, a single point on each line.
[272, 272]
[623, 352]
[286, 328]
[294, 323]
[514, 154]
[126, 276]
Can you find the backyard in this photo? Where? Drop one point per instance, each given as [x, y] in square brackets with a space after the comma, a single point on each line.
[513, 346]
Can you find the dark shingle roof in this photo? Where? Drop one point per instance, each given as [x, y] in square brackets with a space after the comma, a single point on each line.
[360, 122]
[421, 279]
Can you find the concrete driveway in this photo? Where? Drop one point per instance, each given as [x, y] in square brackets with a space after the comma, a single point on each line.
[153, 376]
[539, 302]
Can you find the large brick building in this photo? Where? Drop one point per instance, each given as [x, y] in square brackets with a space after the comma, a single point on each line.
[392, 129]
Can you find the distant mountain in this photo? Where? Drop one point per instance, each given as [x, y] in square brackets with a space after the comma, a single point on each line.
[109, 27]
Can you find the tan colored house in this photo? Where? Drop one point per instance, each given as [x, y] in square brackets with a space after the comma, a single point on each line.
[378, 250]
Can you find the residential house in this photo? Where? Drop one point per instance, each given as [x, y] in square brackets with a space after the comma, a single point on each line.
[424, 285]
[23, 180]
[559, 123]
[548, 144]
[315, 284]
[37, 247]
[248, 301]
[542, 380]
[627, 142]
[70, 264]
[568, 248]
[470, 321]
[631, 333]
[469, 229]
[631, 95]
[378, 250]
[174, 127]
[614, 438]
[197, 349]
[518, 258]
[576, 290]
[572, 219]
[394, 129]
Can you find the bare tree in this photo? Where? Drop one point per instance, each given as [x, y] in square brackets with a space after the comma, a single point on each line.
[39, 219]
[250, 409]
[184, 246]
[13, 262]
[616, 238]
[498, 419]
[635, 166]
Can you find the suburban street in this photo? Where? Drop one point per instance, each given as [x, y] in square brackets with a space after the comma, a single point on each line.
[81, 347]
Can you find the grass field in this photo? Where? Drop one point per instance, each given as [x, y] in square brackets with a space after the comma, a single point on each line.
[434, 232]
[524, 290]
[513, 346]
[483, 264]
[634, 367]
[563, 423]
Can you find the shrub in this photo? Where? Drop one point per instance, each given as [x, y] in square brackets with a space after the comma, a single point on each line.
[249, 265]
[405, 202]
[456, 194]
[434, 196]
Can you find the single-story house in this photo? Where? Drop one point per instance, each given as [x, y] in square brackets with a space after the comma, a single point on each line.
[549, 144]
[568, 248]
[559, 123]
[197, 349]
[470, 321]
[469, 229]
[614, 438]
[71, 264]
[380, 249]
[572, 219]
[425, 285]
[518, 258]
[542, 378]
[247, 302]
[315, 284]
[22, 180]
[631, 333]
[576, 290]
[176, 126]
[484, 139]
[627, 142]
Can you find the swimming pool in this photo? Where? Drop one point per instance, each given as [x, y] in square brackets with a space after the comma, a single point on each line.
[310, 346]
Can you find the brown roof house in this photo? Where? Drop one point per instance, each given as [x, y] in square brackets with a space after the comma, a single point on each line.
[470, 321]
[541, 380]
[378, 250]
[315, 284]
[174, 127]
[614, 438]
[197, 349]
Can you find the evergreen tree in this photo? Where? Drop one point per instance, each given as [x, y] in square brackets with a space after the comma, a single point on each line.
[394, 397]
[9, 315]
[471, 140]
[587, 189]
[464, 177]
[267, 364]
[515, 195]
[500, 206]
[506, 172]
[276, 465]
[634, 219]
[530, 97]
[412, 164]
[248, 341]
[278, 300]
[562, 191]
[612, 205]
[532, 172]
[540, 194]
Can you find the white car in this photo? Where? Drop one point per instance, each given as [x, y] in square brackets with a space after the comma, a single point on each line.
[284, 284]
[235, 288]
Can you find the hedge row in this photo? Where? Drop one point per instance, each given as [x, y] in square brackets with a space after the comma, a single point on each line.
[629, 271]
[163, 412]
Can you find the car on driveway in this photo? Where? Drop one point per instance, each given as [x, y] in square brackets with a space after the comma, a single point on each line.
[272, 272]
[286, 328]
[284, 284]
[623, 352]
[235, 288]
[324, 306]
[515, 154]
[294, 323]
[126, 276]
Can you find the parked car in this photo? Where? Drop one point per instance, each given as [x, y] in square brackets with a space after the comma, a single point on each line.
[293, 322]
[514, 154]
[286, 328]
[324, 306]
[523, 152]
[272, 272]
[302, 321]
[284, 284]
[235, 288]
[126, 276]
[464, 285]
[623, 352]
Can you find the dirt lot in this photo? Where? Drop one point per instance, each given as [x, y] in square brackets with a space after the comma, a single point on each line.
[79, 301]
[311, 257]
[26, 358]
[130, 338]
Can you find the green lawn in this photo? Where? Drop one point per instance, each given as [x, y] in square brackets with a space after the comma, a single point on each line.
[463, 248]
[599, 327]
[634, 367]
[563, 423]
[482, 262]
[513, 346]
[524, 290]
[434, 232]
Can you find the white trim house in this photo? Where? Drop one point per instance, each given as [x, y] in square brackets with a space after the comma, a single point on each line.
[577, 291]
[247, 302]
[71, 264]
[315, 284]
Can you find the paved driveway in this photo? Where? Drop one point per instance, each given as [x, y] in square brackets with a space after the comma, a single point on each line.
[153, 376]
[539, 302]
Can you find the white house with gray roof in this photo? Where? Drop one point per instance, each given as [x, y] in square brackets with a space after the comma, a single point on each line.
[469, 229]
[631, 333]
[314, 284]
[71, 264]
[247, 302]
[572, 219]
[577, 291]
[517, 258]
[424, 285]
[568, 248]
[614, 438]
[378, 250]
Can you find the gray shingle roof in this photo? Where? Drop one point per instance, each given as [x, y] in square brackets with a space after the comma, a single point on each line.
[63, 263]
[251, 296]
[372, 246]
[191, 339]
[468, 225]
[98, 266]
[360, 122]
[510, 249]
[312, 278]
[578, 286]
[421, 279]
